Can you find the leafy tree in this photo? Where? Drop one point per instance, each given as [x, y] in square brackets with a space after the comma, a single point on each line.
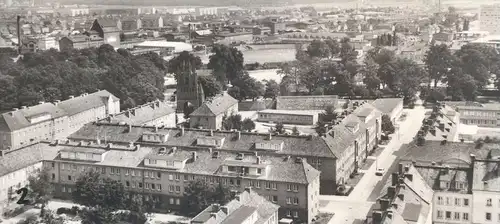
[295, 131]
[438, 60]
[247, 86]
[211, 87]
[279, 128]
[40, 189]
[248, 124]
[334, 47]
[371, 78]
[226, 62]
[272, 89]
[102, 193]
[318, 48]
[462, 86]
[411, 75]
[181, 64]
[231, 122]
[198, 195]
[387, 125]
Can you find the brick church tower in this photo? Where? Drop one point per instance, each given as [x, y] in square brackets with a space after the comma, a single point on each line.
[189, 90]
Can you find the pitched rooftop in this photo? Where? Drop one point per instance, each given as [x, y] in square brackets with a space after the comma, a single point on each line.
[217, 105]
[306, 102]
[86, 101]
[142, 114]
[242, 208]
[387, 105]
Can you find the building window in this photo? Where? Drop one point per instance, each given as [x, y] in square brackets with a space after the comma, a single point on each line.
[488, 216]
[127, 172]
[440, 200]
[69, 177]
[288, 213]
[53, 176]
[457, 216]
[171, 201]
[171, 188]
[170, 177]
[466, 216]
[127, 183]
[439, 214]
[177, 188]
[257, 184]
[488, 202]
[448, 201]
[153, 187]
[457, 201]
[177, 201]
[186, 177]
[159, 187]
[275, 198]
[288, 187]
[295, 214]
[259, 171]
[466, 202]
[448, 215]
[140, 185]
[289, 200]
[295, 201]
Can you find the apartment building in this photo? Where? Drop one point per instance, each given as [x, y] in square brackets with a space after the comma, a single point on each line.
[407, 200]
[489, 18]
[155, 113]
[48, 121]
[486, 188]
[300, 117]
[211, 113]
[247, 207]
[162, 173]
[482, 115]
[15, 168]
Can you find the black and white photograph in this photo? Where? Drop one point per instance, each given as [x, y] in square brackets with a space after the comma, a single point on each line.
[249, 111]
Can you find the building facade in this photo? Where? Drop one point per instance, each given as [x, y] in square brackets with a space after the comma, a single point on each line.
[162, 173]
[48, 121]
[211, 114]
[482, 115]
[108, 31]
[489, 18]
[288, 117]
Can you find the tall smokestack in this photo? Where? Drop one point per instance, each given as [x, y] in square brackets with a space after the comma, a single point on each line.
[19, 34]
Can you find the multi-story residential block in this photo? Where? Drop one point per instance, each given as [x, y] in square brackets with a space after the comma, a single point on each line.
[408, 200]
[486, 188]
[247, 207]
[162, 173]
[15, 168]
[482, 115]
[489, 18]
[108, 30]
[211, 113]
[155, 113]
[392, 107]
[48, 121]
[336, 154]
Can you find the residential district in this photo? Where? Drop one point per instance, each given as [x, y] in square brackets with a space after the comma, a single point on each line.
[257, 115]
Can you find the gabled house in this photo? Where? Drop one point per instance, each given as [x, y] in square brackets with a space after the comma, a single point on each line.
[210, 114]
[108, 30]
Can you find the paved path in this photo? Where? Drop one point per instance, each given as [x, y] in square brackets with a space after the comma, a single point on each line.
[357, 204]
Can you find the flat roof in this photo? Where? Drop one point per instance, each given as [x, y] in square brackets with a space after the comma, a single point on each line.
[291, 112]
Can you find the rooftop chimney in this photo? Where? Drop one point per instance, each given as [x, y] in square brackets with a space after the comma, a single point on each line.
[409, 176]
[394, 179]
[270, 136]
[210, 151]
[238, 135]
[1, 153]
[400, 168]
[389, 214]
[391, 191]
[211, 132]
[98, 141]
[407, 168]
[137, 147]
[156, 128]
[224, 209]
[182, 131]
[384, 204]
[216, 207]
[258, 160]
[24, 107]
[41, 102]
[401, 196]
[71, 97]
[237, 197]
[377, 217]
[193, 156]
[130, 144]
[15, 109]
[129, 128]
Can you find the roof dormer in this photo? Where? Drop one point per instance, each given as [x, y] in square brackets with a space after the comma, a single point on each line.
[83, 154]
[212, 141]
[270, 145]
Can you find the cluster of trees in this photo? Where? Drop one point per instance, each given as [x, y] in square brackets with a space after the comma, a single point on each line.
[234, 122]
[51, 75]
[386, 40]
[465, 72]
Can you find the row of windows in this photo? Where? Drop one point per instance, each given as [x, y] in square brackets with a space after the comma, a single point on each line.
[456, 215]
[488, 216]
[457, 202]
[483, 122]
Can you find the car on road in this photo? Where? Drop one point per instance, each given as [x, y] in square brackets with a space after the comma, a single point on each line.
[379, 172]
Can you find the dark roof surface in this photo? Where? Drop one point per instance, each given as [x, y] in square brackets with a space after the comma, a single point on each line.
[218, 105]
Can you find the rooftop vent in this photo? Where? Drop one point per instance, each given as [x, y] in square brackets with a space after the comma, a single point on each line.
[215, 155]
[162, 151]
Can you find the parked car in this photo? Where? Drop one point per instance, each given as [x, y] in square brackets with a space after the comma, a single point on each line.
[380, 172]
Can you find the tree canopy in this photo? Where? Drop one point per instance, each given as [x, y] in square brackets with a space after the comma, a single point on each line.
[51, 75]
